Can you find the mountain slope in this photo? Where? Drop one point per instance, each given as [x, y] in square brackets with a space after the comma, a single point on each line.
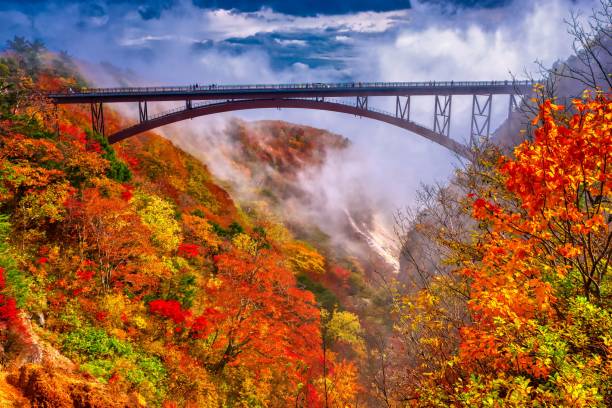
[131, 271]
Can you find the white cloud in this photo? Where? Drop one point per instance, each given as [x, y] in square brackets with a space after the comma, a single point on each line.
[464, 49]
[232, 23]
[343, 38]
[140, 41]
[297, 43]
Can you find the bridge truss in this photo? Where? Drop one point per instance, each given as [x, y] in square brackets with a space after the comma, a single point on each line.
[349, 98]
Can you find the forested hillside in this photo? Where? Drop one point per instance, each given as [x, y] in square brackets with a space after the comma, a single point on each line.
[131, 270]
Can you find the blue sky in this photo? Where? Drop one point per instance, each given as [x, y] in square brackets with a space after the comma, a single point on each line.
[153, 9]
[238, 41]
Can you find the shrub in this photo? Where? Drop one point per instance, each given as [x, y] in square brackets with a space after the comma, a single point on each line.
[99, 354]
[117, 170]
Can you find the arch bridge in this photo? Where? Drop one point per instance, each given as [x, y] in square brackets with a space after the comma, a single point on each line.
[351, 98]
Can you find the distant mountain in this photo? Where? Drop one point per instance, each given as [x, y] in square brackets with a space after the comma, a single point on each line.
[277, 167]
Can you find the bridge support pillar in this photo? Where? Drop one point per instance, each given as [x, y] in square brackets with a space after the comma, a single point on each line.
[442, 114]
[142, 111]
[513, 105]
[481, 118]
[402, 109]
[362, 102]
[97, 118]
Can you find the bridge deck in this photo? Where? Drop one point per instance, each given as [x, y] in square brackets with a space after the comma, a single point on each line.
[274, 91]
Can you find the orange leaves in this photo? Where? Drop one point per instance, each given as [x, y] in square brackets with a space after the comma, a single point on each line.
[567, 155]
[262, 314]
[483, 208]
[551, 221]
[109, 231]
[477, 346]
[569, 251]
[21, 148]
[28, 163]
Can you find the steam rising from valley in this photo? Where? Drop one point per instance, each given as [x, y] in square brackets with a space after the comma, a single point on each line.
[329, 191]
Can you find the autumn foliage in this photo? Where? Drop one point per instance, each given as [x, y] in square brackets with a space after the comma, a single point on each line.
[9, 313]
[131, 262]
[538, 278]
[129, 265]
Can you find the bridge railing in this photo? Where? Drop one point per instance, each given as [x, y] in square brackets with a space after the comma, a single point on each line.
[317, 85]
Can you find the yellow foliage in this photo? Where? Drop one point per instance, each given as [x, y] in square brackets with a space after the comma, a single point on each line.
[46, 204]
[114, 305]
[245, 243]
[158, 214]
[201, 230]
[277, 232]
[343, 326]
[304, 259]
[344, 385]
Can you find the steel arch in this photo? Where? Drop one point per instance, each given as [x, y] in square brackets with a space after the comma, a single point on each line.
[247, 104]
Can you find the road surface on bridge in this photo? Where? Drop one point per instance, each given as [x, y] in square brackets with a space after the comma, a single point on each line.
[305, 90]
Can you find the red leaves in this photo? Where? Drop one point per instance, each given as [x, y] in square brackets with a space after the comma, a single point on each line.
[312, 397]
[341, 274]
[170, 309]
[133, 162]
[101, 316]
[8, 309]
[9, 313]
[85, 275]
[200, 326]
[94, 146]
[74, 131]
[264, 312]
[188, 250]
[128, 192]
[565, 155]
[114, 378]
[482, 209]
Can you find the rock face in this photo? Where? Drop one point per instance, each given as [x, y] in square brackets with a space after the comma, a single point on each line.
[45, 386]
[38, 375]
